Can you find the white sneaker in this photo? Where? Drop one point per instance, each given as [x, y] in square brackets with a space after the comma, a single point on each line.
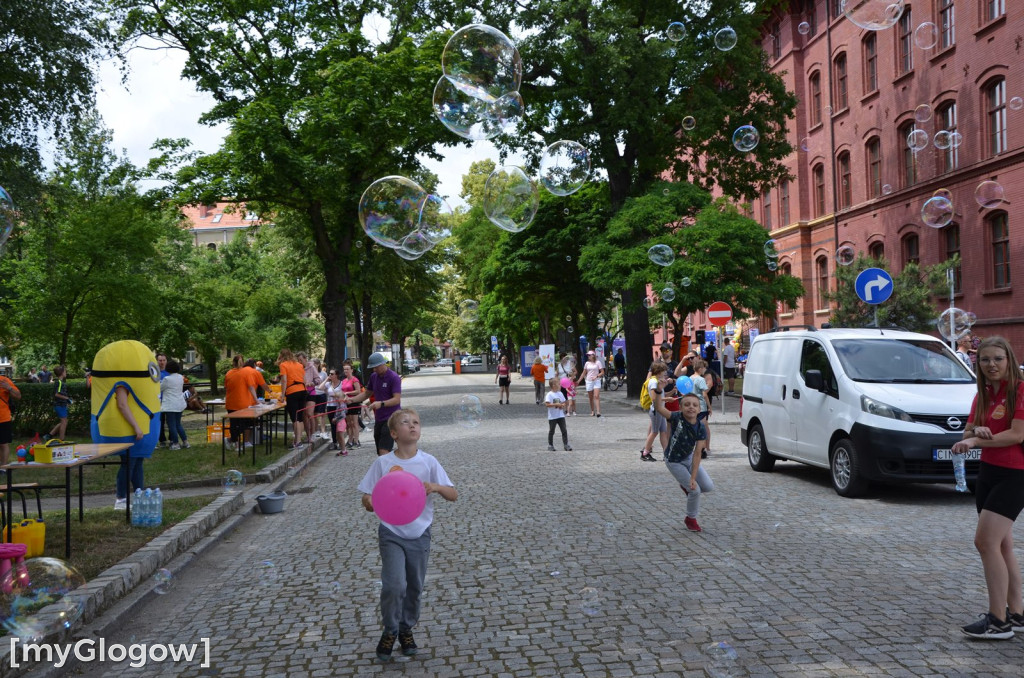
[120, 504]
[175, 447]
[185, 445]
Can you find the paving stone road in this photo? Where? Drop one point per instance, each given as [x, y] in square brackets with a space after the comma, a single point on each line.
[578, 564]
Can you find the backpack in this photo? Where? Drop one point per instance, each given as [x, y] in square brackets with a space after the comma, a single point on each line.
[645, 398]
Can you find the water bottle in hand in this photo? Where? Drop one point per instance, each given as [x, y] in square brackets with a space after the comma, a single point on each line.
[959, 472]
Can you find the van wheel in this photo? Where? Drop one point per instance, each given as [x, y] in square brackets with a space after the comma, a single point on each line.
[757, 451]
[844, 463]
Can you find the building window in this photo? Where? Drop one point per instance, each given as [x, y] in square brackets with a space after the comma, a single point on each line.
[786, 269]
[211, 246]
[876, 250]
[951, 240]
[999, 227]
[995, 99]
[908, 158]
[845, 180]
[870, 63]
[947, 18]
[784, 201]
[777, 40]
[766, 208]
[251, 216]
[994, 9]
[874, 149]
[819, 190]
[840, 77]
[911, 249]
[217, 218]
[836, 9]
[949, 159]
[811, 16]
[821, 268]
[905, 43]
[815, 99]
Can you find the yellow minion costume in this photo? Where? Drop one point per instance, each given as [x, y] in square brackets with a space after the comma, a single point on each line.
[130, 365]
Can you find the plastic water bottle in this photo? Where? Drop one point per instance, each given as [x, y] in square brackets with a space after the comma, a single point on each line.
[147, 501]
[158, 507]
[137, 508]
[959, 472]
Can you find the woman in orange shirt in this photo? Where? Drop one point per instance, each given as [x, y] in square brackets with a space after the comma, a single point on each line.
[539, 373]
[239, 394]
[293, 386]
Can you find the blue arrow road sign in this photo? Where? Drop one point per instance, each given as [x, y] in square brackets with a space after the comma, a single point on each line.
[873, 286]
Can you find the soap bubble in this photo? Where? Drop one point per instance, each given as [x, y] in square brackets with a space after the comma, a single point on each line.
[590, 601]
[568, 318]
[745, 138]
[648, 302]
[473, 118]
[569, 329]
[725, 39]
[955, 139]
[36, 584]
[568, 258]
[685, 282]
[416, 244]
[469, 411]
[954, 324]
[771, 249]
[511, 198]
[926, 35]
[435, 219]
[564, 167]
[668, 294]
[989, 194]
[568, 362]
[772, 264]
[665, 191]
[407, 255]
[923, 113]
[917, 140]
[722, 659]
[937, 212]
[943, 193]
[676, 31]
[469, 310]
[689, 122]
[162, 581]
[662, 255]
[359, 243]
[334, 590]
[805, 144]
[234, 481]
[845, 255]
[6, 216]
[389, 209]
[266, 573]
[942, 140]
[566, 211]
[804, 28]
[873, 15]
[482, 62]
[886, 189]
[1015, 103]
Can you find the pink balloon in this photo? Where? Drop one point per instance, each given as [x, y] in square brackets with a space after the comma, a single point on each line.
[399, 498]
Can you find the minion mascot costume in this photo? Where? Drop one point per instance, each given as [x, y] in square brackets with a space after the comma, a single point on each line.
[126, 406]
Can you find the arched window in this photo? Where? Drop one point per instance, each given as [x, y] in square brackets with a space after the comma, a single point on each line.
[786, 269]
[999, 235]
[815, 87]
[908, 158]
[876, 250]
[911, 249]
[819, 190]
[995, 107]
[821, 271]
[874, 162]
[839, 71]
[845, 180]
[949, 159]
[951, 245]
[211, 246]
[870, 51]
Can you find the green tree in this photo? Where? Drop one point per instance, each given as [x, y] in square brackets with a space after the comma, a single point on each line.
[910, 306]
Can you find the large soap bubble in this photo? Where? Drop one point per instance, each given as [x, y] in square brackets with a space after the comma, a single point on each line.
[474, 118]
[389, 209]
[989, 194]
[845, 255]
[6, 216]
[746, 138]
[954, 324]
[937, 211]
[662, 255]
[722, 659]
[923, 113]
[482, 62]
[564, 167]
[469, 412]
[676, 31]
[668, 293]
[917, 140]
[689, 122]
[435, 218]
[511, 198]
[469, 310]
[926, 35]
[40, 583]
[942, 140]
[408, 255]
[873, 15]
[725, 39]
[416, 243]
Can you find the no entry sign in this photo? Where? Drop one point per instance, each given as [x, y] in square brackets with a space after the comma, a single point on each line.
[719, 313]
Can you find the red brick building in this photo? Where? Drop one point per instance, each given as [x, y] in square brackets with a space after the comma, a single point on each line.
[856, 182]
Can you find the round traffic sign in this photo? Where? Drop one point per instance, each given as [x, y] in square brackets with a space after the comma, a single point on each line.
[719, 313]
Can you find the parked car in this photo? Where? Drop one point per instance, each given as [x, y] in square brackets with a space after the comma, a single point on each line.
[472, 360]
[196, 371]
[443, 362]
[867, 404]
[412, 365]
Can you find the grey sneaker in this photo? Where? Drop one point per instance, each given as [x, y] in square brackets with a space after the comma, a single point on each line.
[551, 448]
[568, 448]
[989, 628]
[120, 504]
[185, 445]
[1016, 620]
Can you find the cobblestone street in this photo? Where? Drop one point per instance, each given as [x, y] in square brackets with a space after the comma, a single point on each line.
[578, 564]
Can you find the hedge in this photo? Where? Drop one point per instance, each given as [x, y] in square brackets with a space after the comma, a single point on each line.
[34, 412]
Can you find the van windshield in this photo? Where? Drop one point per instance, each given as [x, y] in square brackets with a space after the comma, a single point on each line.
[901, 361]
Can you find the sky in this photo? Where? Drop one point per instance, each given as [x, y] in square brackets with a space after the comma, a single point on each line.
[156, 102]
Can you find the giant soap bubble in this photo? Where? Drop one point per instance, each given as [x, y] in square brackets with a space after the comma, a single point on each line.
[482, 62]
[917, 140]
[475, 118]
[564, 167]
[435, 218]
[40, 583]
[873, 15]
[954, 324]
[746, 138]
[662, 255]
[725, 39]
[469, 412]
[511, 198]
[389, 209]
[937, 211]
[989, 194]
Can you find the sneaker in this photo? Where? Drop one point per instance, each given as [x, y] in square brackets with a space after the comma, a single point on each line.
[120, 504]
[408, 643]
[175, 446]
[704, 454]
[1016, 620]
[568, 448]
[185, 445]
[989, 628]
[646, 456]
[384, 647]
[551, 448]
[691, 524]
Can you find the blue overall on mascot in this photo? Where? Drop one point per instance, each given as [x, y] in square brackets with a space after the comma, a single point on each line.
[126, 406]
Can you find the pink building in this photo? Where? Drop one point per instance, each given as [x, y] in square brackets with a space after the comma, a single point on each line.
[858, 183]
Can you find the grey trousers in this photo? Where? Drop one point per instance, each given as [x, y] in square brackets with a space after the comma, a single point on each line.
[402, 573]
[681, 472]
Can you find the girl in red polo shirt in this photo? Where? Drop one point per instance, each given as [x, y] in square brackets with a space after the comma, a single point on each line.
[996, 425]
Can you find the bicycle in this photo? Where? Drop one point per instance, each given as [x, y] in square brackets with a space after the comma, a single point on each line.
[612, 382]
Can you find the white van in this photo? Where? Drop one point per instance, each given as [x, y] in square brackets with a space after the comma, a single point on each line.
[867, 404]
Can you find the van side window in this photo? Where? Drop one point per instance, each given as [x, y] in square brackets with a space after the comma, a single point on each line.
[814, 357]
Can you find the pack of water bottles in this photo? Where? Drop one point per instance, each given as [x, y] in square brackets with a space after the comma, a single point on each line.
[147, 508]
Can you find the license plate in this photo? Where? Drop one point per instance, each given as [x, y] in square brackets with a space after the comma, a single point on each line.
[946, 454]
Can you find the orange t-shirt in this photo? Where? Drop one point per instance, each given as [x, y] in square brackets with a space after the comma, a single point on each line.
[255, 377]
[236, 390]
[5, 399]
[539, 372]
[293, 377]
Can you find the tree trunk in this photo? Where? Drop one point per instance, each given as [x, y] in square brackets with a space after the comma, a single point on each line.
[637, 333]
[334, 300]
[366, 345]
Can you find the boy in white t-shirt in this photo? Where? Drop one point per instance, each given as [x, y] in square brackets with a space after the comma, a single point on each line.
[404, 548]
[554, 401]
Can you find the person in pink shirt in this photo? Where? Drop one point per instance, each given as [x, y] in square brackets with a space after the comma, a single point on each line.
[503, 379]
[569, 387]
